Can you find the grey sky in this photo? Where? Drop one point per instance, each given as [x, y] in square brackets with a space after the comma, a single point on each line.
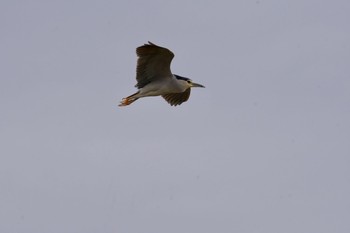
[263, 148]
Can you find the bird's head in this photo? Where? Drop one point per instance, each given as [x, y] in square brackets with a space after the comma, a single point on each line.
[187, 82]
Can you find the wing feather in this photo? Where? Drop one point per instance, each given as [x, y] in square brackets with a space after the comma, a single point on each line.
[177, 98]
[153, 63]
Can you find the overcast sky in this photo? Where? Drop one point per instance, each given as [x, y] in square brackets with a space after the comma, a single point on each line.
[265, 147]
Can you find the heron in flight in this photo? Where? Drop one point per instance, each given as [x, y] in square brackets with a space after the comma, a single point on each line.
[154, 77]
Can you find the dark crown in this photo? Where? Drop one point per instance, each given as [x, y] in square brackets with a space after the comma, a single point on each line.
[181, 78]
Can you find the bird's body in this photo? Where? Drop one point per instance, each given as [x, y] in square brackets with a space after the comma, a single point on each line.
[154, 77]
[162, 87]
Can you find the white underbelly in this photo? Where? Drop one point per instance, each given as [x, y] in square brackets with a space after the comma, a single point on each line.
[160, 88]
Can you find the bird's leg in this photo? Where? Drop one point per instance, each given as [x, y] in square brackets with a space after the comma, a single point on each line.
[128, 100]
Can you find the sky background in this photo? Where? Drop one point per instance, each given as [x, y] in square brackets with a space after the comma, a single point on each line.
[263, 148]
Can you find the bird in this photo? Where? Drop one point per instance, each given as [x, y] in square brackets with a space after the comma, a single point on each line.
[154, 77]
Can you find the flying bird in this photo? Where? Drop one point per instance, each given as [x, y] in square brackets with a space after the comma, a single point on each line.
[154, 77]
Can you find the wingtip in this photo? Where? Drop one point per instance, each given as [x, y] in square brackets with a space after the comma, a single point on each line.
[150, 43]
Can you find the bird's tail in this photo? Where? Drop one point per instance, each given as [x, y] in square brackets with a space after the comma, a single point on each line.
[128, 100]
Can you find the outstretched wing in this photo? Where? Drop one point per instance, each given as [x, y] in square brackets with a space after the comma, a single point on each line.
[177, 98]
[153, 63]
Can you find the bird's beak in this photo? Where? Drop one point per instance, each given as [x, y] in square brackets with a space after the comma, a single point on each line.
[197, 85]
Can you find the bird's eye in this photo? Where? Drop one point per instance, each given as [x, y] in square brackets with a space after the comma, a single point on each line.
[188, 81]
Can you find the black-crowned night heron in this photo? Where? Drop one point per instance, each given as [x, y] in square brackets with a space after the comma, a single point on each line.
[154, 77]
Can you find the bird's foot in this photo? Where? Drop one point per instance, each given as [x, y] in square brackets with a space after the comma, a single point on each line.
[126, 101]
